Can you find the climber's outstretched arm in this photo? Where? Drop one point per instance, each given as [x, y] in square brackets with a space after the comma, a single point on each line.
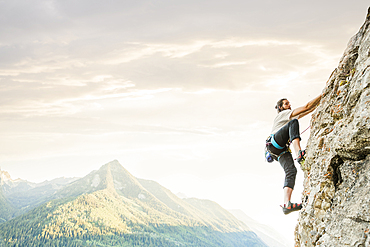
[306, 109]
[306, 113]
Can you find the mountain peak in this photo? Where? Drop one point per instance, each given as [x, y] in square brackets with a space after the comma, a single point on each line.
[114, 163]
[4, 177]
[112, 176]
[115, 166]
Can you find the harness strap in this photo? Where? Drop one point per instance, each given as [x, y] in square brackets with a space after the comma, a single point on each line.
[274, 143]
[282, 154]
[277, 156]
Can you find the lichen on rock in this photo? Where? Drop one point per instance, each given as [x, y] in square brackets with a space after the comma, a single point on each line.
[336, 196]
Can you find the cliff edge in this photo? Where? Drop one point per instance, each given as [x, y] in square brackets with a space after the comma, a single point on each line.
[336, 196]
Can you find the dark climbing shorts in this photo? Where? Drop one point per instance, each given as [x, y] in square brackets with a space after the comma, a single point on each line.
[288, 132]
[287, 163]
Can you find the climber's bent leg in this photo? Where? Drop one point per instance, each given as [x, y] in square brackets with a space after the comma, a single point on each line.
[289, 132]
[287, 163]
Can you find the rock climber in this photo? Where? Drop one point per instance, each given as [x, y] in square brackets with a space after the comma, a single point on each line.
[285, 129]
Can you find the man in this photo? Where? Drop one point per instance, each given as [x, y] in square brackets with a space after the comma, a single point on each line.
[285, 129]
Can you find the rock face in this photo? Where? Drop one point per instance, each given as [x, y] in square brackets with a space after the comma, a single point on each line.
[336, 196]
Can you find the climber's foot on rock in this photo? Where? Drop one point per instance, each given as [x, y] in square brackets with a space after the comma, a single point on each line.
[291, 207]
[301, 156]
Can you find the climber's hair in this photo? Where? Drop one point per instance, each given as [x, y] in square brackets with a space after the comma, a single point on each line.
[280, 104]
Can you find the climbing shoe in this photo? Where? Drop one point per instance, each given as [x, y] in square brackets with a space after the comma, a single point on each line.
[291, 207]
[301, 156]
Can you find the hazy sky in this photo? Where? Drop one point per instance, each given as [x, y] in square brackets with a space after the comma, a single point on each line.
[180, 92]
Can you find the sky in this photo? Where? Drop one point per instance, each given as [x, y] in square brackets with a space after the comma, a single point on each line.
[179, 92]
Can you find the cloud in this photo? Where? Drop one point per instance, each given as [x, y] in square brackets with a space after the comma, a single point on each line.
[61, 83]
[55, 50]
[113, 22]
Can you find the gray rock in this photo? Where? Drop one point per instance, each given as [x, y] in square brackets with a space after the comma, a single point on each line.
[336, 196]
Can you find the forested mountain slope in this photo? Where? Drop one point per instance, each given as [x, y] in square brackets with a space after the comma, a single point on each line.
[110, 207]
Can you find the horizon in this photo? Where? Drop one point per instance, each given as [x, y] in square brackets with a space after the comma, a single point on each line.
[179, 93]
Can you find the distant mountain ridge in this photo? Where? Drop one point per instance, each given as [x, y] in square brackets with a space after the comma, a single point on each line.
[111, 207]
[6, 209]
[22, 195]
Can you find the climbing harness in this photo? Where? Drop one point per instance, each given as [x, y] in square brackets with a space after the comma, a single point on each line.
[270, 156]
[270, 141]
